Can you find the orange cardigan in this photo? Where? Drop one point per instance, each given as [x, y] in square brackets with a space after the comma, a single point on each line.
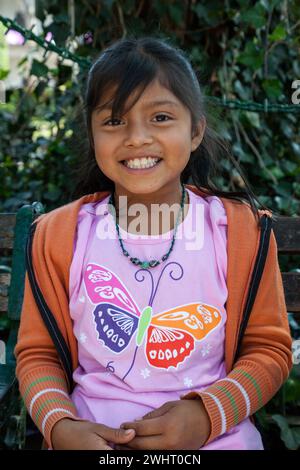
[265, 358]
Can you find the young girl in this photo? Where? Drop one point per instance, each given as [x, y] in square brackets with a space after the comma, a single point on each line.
[150, 306]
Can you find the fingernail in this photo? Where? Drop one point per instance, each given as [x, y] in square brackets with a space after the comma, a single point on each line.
[128, 431]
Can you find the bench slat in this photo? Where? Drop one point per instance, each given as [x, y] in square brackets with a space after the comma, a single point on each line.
[287, 233]
[7, 223]
[4, 283]
[291, 285]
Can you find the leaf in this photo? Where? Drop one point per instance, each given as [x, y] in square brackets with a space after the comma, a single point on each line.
[269, 4]
[3, 74]
[255, 17]
[292, 390]
[160, 7]
[23, 61]
[277, 172]
[242, 155]
[290, 167]
[283, 203]
[284, 189]
[4, 323]
[176, 13]
[253, 118]
[272, 87]
[38, 69]
[290, 436]
[252, 56]
[242, 90]
[296, 148]
[210, 13]
[243, 3]
[278, 34]
[109, 3]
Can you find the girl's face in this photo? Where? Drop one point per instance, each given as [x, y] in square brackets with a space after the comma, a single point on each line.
[152, 127]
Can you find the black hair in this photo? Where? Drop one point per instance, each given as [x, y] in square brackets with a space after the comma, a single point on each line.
[130, 65]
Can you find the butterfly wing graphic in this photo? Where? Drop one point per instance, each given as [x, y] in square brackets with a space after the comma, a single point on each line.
[167, 347]
[116, 314]
[172, 334]
[115, 326]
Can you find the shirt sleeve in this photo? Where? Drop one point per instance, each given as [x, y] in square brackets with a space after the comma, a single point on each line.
[41, 378]
[265, 359]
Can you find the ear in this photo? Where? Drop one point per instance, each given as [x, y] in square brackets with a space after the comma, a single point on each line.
[198, 134]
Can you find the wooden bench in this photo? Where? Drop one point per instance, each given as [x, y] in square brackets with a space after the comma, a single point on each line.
[14, 229]
[13, 234]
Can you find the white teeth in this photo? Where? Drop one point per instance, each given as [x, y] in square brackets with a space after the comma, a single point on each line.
[140, 163]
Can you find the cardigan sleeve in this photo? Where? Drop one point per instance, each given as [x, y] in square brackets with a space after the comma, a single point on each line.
[265, 358]
[41, 378]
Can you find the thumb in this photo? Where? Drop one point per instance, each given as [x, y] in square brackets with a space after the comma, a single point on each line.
[118, 435]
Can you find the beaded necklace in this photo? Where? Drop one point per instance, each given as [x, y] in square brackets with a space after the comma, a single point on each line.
[153, 262]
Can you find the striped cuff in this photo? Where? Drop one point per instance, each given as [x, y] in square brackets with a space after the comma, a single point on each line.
[45, 394]
[234, 398]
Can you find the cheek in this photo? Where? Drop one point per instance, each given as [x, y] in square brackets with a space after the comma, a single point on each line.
[104, 149]
[181, 139]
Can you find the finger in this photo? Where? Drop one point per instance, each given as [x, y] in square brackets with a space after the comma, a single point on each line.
[115, 435]
[145, 443]
[159, 411]
[147, 427]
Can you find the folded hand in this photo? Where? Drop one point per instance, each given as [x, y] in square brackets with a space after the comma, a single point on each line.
[181, 424]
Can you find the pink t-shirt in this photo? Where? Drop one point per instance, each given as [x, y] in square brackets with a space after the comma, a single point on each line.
[148, 336]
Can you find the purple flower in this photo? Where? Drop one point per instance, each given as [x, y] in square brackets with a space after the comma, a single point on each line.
[14, 38]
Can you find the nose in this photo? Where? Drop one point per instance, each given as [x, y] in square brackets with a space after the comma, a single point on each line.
[138, 135]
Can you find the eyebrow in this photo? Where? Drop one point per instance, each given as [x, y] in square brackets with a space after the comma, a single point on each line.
[150, 104]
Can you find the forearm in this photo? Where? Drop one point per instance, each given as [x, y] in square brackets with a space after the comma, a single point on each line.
[239, 395]
[44, 391]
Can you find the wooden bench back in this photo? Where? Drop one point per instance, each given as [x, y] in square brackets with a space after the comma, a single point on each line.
[287, 233]
[14, 229]
[286, 229]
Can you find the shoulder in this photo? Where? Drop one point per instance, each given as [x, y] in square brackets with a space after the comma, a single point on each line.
[55, 231]
[241, 213]
[63, 219]
[238, 212]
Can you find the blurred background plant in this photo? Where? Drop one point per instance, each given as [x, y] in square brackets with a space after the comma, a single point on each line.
[242, 50]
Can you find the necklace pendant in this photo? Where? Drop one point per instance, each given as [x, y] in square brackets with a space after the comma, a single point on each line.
[145, 264]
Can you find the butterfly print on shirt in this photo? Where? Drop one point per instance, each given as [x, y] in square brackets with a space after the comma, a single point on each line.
[169, 336]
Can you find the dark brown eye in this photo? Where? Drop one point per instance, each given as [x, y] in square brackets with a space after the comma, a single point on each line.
[111, 120]
[163, 115]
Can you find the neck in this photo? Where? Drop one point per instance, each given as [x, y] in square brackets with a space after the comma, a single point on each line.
[146, 222]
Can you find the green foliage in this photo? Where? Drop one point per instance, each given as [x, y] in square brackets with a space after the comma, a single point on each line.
[279, 419]
[242, 49]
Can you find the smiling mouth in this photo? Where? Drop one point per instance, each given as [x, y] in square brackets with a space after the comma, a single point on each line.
[141, 164]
